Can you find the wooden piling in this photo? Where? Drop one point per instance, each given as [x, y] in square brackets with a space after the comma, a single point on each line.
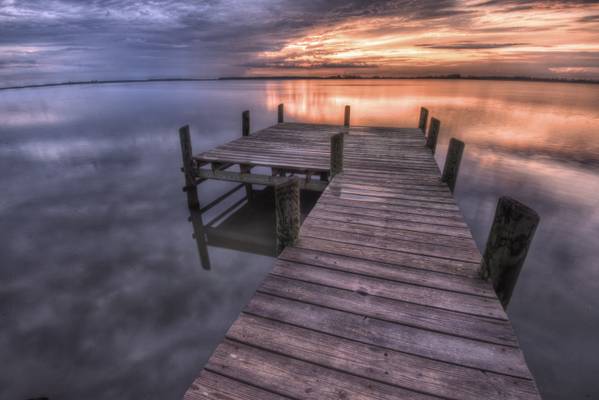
[186, 154]
[245, 123]
[336, 154]
[281, 113]
[423, 119]
[433, 134]
[287, 203]
[346, 117]
[245, 131]
[452, 163]
[512, 231]
[200, 237]
[249, 192]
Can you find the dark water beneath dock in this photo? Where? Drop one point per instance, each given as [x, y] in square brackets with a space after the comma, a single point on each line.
[102, 295]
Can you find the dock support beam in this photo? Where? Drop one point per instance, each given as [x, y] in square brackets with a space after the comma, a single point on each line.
[186, 154]
[512, 231]
[245, 123]
[287, 204]
[423, 119]
[336, 154]
[452, 163]
[281, 113]
[346, 117]
[433, 134]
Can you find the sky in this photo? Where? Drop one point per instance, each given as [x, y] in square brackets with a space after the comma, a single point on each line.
[61, 40]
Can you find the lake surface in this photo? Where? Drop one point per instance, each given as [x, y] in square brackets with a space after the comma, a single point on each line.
[102, 292]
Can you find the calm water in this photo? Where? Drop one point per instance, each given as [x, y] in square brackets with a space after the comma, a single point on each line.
[102, 294]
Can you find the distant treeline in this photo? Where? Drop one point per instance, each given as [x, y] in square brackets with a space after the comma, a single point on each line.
[450, 76]
[100, 82]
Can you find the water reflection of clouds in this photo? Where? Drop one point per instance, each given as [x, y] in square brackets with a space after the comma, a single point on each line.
[100, 272]
[569, 182]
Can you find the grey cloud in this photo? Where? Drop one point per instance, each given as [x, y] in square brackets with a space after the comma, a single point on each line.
[184, 39]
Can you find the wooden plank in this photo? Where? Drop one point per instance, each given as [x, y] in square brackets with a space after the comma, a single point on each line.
[404, 209]
[266, 180]
[389, 256]
[375, 286]
[447, 348]
[329, 221]
[433, 320]
[358, 216]
[380, 364]
[298, 379]
[428, 197]
[390, 272]
[368, 242]
[213, 386]
[367, 198]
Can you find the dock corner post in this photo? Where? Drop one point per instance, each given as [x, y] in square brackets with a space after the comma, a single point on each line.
[287, 204]
[423, 119]
[187, 155]
[200, 237]
[346, 117]
[336, 154]
[245, 123]
[281, 113]
[433, 134]
[452, 163]
[512, 231]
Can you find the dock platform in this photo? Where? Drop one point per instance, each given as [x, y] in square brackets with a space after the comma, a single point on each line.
[380, 295]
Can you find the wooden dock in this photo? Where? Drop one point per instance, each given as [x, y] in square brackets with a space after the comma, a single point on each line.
[380, 296]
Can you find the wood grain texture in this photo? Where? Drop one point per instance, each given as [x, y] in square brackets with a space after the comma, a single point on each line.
[377, 363]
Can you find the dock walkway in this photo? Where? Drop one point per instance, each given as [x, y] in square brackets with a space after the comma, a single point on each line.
[380, 297]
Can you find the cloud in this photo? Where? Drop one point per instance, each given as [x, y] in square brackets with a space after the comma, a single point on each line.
[471, 46]
[299, 65]
[109, 39]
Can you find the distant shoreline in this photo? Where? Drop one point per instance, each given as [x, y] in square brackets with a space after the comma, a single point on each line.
[102, 82]
[336, 77]
[431, 77]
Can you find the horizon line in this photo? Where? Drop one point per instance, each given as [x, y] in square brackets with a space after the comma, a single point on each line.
[302, 77]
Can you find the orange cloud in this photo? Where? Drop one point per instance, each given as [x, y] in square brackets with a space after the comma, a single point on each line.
[537, 40]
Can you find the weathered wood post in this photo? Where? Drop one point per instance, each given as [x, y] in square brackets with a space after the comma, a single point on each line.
[423, 119]
[452, 163]
[281, 113]
[512, 231]
[287, 204]
[336, 154]
[346, 117]
[245, 131]
[200, 237]
[186, 154]
[433, 134]
[249, 192]
[245, 123]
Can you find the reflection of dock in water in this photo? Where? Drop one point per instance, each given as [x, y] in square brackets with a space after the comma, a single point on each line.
[247, 226]
[382, 293]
